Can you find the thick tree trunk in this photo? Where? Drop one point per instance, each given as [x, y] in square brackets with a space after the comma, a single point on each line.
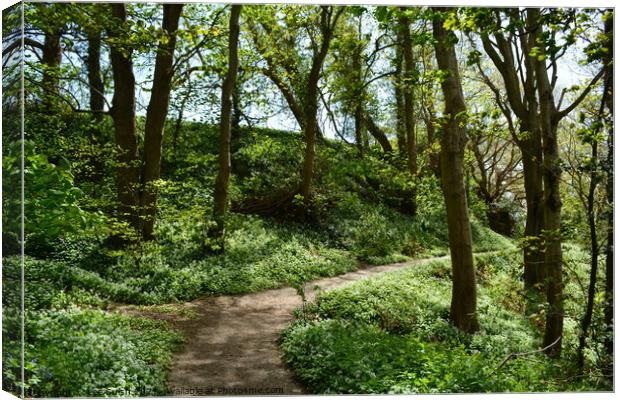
[95, 82]
[51, 58]
[124, 117]
[533, 253]
[310, 111]
[156, 118]
[453, 141]
[552, 203]
[216, 234]
[609, 252]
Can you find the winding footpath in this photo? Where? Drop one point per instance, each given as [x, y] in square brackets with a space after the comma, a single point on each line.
[232, 341]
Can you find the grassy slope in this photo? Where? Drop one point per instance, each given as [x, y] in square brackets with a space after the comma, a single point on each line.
[391, 334]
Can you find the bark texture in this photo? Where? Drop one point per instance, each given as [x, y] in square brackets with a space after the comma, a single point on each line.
[216, 234]
[95, 81]
[310, 104]
[156, 114]
[123, 114]
[404, 34]
[552, 202]
[51, 58]
[453, 141]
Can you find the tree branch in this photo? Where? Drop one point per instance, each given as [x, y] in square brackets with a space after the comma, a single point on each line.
[567, 110]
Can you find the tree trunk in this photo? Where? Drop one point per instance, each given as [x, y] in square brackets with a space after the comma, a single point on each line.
[95, 82]
[51, 58]
[521, 93]
[552, 203]
[377, 133]
[429, 122]
[453, 141]
[216, 234]
[533, 254]
[359, 129]
[310, 109]
[401, 135]
[404, 34]
[156, 118]
[586, 320]
[124, 117]
[236, 110]
[178, 125]
[357, 101]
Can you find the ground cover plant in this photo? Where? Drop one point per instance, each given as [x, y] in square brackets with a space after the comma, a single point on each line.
[391, 334]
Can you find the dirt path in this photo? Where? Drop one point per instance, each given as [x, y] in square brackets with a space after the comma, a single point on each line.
[232, 340]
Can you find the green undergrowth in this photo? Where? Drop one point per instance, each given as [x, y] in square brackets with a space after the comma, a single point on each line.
[83, 352]
[260, 254]
[391, 334]
[72, 348]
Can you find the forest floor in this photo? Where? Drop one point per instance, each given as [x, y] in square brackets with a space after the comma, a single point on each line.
[232, 341]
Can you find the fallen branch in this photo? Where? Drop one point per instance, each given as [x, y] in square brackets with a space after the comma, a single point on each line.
[526, 353]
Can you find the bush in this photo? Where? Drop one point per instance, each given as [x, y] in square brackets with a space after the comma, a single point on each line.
[51, 200]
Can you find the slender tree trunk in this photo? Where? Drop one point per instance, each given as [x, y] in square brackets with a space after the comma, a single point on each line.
[95, 82]
[552, 203]
[216, 234]
[586, 320]
[310, 109]
[156, 114]
[401, 134]
[236, 110]
[176, 134]
[96, 100]
[521, 93]
[453, 141]
[404, 34]
[357, 101]
[359, 129]
[430, 122]
[124, 117]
